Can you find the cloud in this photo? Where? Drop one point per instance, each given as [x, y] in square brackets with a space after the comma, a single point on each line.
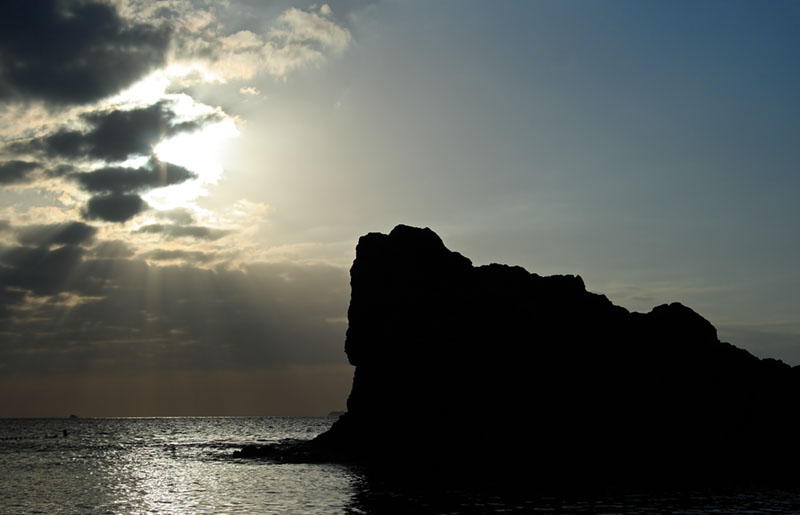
[313, 29]
[38, 269]
[297, 39]
[10, 299]
[114, 208]
[118, 180]
[113, 135]
[303, 37]
[72, 233]
[65, 52]
[60, 170]
[179, 215]
[112, 249]
[184, 231]
[14, 172]
[190, 256]
[168, 294]
[125, 314]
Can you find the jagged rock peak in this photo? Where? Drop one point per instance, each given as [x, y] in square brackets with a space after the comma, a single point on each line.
[407, 244]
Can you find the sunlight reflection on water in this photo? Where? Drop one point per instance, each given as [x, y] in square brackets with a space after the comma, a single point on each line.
[161, 466]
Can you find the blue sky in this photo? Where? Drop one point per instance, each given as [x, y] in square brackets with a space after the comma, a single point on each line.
[648, 146]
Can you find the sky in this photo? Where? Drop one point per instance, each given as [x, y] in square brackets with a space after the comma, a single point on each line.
[183, 182]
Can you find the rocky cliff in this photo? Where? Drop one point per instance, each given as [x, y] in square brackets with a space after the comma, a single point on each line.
[483, 367]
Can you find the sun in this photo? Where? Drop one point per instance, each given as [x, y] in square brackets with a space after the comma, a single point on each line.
[199, 151]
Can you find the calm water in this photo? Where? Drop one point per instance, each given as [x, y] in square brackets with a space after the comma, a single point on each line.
[184, 465]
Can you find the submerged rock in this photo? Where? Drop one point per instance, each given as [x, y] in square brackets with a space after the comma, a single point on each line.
[475, 369]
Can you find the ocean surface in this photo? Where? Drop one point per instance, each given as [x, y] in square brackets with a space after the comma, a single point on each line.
[184, 465]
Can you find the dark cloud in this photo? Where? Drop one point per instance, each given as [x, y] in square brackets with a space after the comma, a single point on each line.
[13, 172]
[120, 180]
[173, 317]
[179, 255]
[77, 312]
[9, 299]
[185, 231]
[73, 233]
[114, 208]
[72, 52]
[112, 249]
[114, 135]
[38, 269]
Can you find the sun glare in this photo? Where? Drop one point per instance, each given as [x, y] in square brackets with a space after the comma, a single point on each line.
[199, 151]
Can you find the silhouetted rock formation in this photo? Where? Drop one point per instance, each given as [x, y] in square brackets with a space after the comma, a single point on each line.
[491, 366]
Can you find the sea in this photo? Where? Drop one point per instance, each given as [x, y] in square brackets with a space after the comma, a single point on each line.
[186, 465]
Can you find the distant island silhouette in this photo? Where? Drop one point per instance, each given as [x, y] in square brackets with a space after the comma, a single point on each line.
[480, 371]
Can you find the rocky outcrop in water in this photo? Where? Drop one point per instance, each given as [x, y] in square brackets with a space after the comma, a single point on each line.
[481, 368]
